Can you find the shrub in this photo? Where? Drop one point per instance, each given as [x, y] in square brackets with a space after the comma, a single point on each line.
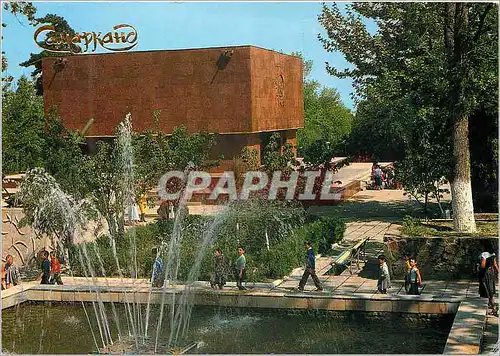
[413, 227]
[286, 232]
[323, 232]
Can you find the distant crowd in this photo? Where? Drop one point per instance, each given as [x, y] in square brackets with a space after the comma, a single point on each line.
[383, 178]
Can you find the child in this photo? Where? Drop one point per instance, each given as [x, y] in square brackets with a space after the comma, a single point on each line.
[384, 281]
[415, 278]
[310, 269]
[45, 275]
[55, 269]
[406, 260]
[12, 275]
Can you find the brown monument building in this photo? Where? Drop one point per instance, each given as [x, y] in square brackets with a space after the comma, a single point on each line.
[242, 93]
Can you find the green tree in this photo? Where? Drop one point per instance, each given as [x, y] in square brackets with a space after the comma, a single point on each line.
[23, 144]
[483, 126]
[278, 157]
[17, 8]
[63, 155]
[156, 153]
[439, 55]
[327, 121]
[379, 127]
[31, 139]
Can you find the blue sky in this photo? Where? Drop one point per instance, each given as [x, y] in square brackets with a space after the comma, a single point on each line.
[278, 26]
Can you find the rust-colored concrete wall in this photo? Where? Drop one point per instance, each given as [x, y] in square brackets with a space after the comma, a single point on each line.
[259, 90]
[277, 98]
[230, 146]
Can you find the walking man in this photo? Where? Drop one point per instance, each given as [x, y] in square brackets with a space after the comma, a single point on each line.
[310, 269]
[240, 268]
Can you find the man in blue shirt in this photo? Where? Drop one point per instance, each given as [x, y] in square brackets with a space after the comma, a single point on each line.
[310, 269]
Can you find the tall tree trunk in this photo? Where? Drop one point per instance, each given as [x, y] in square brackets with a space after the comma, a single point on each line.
[455, 38]
[461, 188]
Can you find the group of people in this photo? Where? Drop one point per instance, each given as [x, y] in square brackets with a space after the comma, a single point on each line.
[51, 269]
[220, 269]
[10, 273]
[413, 279]
[381, 179]
[219, 275]
[136, 212]
[487, 270]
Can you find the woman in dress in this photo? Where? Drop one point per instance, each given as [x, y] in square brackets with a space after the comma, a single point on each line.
[488, 271]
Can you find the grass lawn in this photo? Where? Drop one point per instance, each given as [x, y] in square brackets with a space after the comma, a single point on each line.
[415, 227]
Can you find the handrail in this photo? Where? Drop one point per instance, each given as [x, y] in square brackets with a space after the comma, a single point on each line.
[350, 253]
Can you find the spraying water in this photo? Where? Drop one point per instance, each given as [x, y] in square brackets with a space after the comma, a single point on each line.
[51, 211]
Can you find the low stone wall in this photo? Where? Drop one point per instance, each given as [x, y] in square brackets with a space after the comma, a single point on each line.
[442, 258]
[21, 243]
[270, 300]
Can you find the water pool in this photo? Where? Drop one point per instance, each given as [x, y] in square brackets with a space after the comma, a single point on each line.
[37, 328]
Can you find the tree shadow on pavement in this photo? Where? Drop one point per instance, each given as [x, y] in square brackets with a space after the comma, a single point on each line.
[392, 211]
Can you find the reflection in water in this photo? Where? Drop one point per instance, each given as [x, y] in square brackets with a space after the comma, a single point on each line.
[61, 329]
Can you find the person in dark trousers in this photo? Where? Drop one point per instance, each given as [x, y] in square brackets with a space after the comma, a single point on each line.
[55, 269]
[488, 273]
[158, 266]
[310, 269]
[219, 274]
[239, 268]
[45, 275]
[415, 279]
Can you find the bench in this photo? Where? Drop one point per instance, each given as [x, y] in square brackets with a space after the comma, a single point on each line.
[352, 254]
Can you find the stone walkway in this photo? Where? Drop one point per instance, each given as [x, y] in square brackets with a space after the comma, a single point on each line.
[490, 336]
[361, 285]
[374, 231]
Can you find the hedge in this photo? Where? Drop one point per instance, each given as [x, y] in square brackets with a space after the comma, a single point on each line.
[286, 228]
